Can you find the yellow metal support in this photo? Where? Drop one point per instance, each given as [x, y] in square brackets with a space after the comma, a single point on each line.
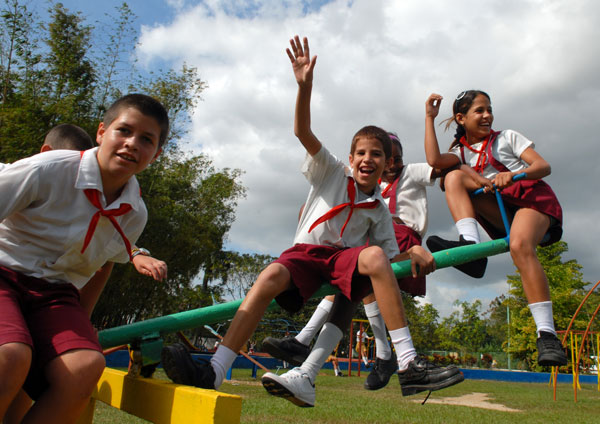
[162, 402]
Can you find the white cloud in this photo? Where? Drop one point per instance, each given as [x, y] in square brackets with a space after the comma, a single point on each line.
[377, 63]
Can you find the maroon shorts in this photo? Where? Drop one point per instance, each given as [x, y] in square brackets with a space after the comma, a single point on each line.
[310, 265]
[46, 316]
[407, 238]
[533, 194]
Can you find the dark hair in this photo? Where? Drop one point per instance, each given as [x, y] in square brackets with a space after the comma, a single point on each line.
[375, 132]
[68, 137]
[462, 104]
[147, 106]
[396, 140]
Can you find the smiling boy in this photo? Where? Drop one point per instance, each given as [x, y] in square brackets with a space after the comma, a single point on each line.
[64, 214]
[330, 245]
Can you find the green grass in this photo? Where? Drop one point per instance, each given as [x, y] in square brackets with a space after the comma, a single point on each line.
[343, 400]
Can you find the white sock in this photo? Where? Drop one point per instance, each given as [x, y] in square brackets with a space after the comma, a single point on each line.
[467, 227]
[542, 315]
[404, 347]
[221, 361]
[315, 323]
[382, 348]
[328, 339]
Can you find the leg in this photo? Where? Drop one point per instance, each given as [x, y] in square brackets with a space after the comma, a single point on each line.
[182, 369]
[416, 374]
[297, 385]
[18, 408]
[72, 378]
[528, 228]
[296, 349]
[15, 360]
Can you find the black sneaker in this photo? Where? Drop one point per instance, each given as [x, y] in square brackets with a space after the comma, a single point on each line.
[475, 269]
[381, 373]
[422, 375]
[287, 349]
[550, 350]
[183, 369]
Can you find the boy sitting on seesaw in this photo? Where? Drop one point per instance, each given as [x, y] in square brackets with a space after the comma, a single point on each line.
[330, 245]
[65, 214]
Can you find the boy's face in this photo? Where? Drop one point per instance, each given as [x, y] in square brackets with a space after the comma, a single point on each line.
[128, 145]
[393, 170]
[368, 162]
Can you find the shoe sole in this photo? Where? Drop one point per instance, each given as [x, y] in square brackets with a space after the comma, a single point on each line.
[475, 269]
[174, 356]
[273, 387]
[417, 388]
[552, 361]
[275, 352]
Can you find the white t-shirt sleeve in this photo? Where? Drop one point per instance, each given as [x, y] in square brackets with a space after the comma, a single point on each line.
[19, 185]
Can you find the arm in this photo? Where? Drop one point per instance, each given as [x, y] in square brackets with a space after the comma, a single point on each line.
[432, 149]
[303, 66]
[538, 168]
[90, 293]
[419, 257]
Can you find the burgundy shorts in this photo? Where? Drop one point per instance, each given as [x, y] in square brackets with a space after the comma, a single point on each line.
[310, 265]
[406, 238]
[46, 316]
[533, 194]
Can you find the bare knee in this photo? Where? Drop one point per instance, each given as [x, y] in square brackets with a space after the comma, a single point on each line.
[15, 360]
[521, 249]
[372, 260]
[76, 372]
[272, 280]
[454, 180]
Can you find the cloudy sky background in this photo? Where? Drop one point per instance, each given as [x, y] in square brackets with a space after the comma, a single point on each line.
[377, 63]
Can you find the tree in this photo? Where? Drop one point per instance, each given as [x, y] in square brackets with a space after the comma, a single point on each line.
[463, 330]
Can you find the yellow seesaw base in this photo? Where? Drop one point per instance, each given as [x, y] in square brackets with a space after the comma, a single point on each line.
[162, 402]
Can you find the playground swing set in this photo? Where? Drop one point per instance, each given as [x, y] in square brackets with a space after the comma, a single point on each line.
[162, 402]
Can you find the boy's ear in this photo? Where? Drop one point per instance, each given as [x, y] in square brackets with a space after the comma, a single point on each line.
[158, 152]
[100, 133]
[45, 148]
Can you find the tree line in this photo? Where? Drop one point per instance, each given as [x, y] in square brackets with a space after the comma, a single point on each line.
[62, 69]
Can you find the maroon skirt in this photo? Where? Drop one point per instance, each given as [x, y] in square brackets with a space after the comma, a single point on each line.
[533, 194]
[406, 238]
[311, 266]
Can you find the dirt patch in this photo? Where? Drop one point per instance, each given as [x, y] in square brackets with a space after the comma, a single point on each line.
[474, 400]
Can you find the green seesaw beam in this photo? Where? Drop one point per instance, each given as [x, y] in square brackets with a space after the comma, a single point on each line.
[127, 334]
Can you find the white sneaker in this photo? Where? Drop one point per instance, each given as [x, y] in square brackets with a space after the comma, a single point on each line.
[294, 385]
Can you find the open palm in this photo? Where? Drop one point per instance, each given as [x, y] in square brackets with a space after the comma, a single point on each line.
[302, 64]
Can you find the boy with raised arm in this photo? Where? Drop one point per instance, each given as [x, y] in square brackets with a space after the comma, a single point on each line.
[64, 214]
[330, 245]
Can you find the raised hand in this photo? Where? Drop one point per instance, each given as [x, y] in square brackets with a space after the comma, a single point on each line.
[432, 105]
[302, 64]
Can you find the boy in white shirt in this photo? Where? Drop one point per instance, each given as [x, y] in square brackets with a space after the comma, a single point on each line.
[64, 214]
[330, 245]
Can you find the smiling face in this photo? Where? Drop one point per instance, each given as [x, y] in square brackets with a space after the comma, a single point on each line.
[393, 171]
[368, 163]
[127, 146]
[478, 119]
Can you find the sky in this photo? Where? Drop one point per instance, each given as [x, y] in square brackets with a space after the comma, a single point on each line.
[378, 61]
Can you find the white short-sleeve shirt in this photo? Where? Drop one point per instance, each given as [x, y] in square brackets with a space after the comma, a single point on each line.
[507, 149]
[328, 178]
[45, 215]
[411, 196]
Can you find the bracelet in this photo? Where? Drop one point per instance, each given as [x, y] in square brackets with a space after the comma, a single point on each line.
[139, 251]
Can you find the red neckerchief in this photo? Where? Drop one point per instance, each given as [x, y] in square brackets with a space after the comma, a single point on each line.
[482, 159]
[93, 196]
[390, 192]
[337, 209]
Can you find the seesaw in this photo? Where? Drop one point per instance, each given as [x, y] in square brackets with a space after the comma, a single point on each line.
[163, 402]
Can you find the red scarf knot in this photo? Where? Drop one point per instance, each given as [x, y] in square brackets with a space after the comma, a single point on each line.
[337, 209]
[482, 159]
